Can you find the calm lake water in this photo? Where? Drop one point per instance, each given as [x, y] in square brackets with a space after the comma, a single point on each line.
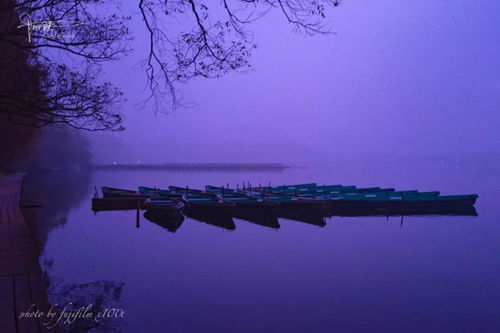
[356, 274]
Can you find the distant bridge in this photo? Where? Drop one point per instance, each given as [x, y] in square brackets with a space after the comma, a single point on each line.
[195, 166]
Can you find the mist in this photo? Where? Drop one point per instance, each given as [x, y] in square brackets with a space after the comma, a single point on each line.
[412, 78]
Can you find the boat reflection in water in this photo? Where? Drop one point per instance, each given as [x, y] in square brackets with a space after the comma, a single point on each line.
[217, 206]
[313, 217]
[170, 222]
[423, 211]
[262, 218]
[269, 218]
[219, 219]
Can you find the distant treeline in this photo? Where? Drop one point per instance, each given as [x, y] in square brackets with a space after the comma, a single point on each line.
[194, 166]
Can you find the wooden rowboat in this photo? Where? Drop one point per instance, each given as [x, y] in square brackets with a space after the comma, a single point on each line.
[163, 205]
[112, 192]
[208, 203]
[186, 190]
[157, 192]
[219, 189]
[244, 200]
[402, 202]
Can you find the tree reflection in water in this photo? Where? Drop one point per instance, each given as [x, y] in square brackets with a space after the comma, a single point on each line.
[50, 195]
[101, 298]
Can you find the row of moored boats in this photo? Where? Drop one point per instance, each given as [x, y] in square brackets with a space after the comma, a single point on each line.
[325, 199]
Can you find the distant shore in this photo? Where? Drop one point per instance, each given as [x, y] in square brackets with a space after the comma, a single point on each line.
[193, 166]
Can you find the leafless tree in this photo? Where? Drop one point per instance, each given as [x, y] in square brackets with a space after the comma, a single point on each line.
[213, 41]
[38, 88]
[187, 39]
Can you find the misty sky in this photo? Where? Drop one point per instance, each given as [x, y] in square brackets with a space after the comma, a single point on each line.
[399, 77]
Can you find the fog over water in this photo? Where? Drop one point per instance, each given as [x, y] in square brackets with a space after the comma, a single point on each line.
[404, 95]
[412, 77]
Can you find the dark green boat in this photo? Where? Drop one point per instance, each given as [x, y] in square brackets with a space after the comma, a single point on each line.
[112, 192]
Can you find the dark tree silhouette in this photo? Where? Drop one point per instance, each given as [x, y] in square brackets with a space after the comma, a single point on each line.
[212, 41]
[38, 88]
[187, 39]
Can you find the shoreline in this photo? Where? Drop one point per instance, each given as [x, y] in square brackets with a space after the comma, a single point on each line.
[22, 284]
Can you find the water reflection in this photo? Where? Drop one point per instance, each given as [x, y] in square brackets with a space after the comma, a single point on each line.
[55, 192]
[98, 303]
[425, 211]
[169, 222]
[48, 197]
[263, 219]
[224, 221]
[312, 218]
[368, 271]
[269, 218]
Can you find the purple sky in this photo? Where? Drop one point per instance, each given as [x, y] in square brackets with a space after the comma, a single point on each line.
[399, 77]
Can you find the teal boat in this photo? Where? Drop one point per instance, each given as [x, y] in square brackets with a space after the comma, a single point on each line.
[346, 189]
[314, 189]
[362, 201]
[284, 188]
[244, 200]
[157, 192]
[162, 205]
[207, 203]
[380, 195]
[334, 188]
[287, 202]
[185, 190]
[221, 189]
